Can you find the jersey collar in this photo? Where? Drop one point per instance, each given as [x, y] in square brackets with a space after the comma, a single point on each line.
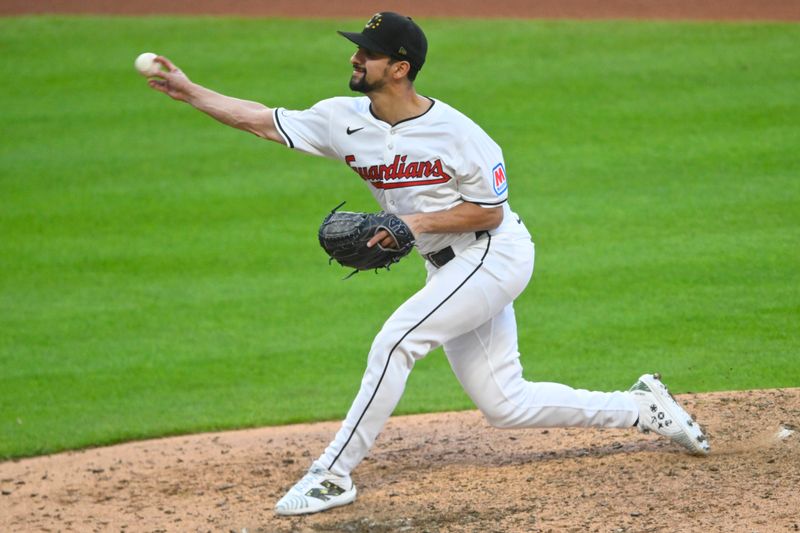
[433, 103]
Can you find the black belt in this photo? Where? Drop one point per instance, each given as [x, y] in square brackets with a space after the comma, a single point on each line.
[445, 255]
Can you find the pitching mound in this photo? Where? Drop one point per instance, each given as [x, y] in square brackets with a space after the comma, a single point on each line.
[444, 472]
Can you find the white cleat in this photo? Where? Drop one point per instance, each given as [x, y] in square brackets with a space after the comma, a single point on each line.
[659, 412]
[319, 490]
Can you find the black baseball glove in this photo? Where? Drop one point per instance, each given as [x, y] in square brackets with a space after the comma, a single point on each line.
[344, 236]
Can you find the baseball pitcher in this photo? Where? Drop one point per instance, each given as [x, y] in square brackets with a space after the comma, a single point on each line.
[445, 183]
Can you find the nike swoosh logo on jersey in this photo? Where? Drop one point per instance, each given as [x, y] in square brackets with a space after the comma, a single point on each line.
[350, 132]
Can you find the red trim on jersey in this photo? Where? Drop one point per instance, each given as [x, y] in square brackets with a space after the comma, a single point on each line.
[382, 185]
[401, 173]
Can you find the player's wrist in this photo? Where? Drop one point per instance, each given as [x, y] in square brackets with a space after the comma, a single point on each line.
[416, 222]
[196, 95]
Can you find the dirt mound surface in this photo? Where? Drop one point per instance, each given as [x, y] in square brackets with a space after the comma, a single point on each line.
[440, 472]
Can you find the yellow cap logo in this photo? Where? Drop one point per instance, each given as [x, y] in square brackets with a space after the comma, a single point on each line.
[374, 22]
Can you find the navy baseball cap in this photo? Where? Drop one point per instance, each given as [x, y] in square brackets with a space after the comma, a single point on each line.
[392, 34]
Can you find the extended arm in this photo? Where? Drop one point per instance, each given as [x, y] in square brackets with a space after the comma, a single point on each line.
[245, 115]
[461, 218]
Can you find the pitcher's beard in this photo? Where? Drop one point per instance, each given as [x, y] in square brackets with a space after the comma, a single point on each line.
[362, 85]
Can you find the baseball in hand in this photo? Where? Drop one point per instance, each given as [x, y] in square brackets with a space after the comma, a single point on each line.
[146, 66]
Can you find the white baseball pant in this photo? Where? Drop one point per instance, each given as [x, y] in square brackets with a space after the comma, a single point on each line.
[467, 307]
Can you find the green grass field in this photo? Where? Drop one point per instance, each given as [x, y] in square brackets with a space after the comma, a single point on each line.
[159, 273]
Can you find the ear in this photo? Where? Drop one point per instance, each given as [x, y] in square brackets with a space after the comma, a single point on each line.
[400, 69]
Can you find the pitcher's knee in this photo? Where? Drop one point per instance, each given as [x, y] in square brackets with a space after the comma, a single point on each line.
[399, 345]
[381, 344]
[501, 417]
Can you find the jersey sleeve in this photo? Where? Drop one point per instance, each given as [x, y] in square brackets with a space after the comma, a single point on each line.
[309, 130]
[483, 173]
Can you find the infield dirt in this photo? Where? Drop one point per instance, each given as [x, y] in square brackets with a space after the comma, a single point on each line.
[574, 9]
[439, 472]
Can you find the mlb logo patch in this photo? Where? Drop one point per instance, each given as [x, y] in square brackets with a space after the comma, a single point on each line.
[499, 181]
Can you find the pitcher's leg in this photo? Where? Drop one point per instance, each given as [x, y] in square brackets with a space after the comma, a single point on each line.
[486, 362]
[389, 364]
[446, 307]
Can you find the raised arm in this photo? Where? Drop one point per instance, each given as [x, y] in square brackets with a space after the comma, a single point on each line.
[245, 115]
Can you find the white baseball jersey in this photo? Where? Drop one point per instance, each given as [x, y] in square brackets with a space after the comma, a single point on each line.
[423, 164]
